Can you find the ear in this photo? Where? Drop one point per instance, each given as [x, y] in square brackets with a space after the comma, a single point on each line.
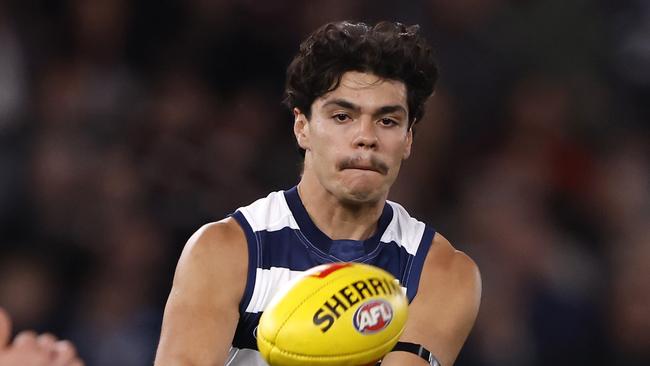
[409, 142]
[301, 128]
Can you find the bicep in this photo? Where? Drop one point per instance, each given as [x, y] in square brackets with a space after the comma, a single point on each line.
[201, 313]
[194, 334]
[443, 313]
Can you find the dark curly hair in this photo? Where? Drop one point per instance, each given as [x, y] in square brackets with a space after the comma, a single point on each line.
[389, 50]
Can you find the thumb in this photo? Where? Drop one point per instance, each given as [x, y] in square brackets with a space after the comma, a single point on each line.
[5, 328]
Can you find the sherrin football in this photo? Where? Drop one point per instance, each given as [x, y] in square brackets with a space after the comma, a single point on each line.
[333, 314]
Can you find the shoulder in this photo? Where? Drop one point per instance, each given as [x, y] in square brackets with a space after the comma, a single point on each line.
[444, 260]
[215, 238]
[452, 282]
[451, 274]
[215, 254]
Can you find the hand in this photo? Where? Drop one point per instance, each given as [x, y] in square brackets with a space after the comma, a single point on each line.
[30, 349]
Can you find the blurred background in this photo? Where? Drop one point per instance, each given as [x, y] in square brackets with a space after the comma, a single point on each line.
[126, 125]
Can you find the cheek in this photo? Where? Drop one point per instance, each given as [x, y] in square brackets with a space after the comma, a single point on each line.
[324, 156]
[398, 149]
[326, 144]
[395, 158]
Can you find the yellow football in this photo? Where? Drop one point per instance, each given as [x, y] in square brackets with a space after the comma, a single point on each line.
[333, 314]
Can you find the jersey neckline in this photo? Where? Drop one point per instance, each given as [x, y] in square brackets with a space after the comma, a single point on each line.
[320, 239]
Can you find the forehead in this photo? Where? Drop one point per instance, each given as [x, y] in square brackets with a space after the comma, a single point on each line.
[367, 91]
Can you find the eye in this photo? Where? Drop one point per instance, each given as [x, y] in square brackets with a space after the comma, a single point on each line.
[388, 122]
[341, 117]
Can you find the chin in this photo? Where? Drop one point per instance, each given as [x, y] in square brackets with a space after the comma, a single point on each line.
[360, 187]
[361, 194]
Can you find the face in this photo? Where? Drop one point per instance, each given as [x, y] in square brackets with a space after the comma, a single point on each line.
[357, 137]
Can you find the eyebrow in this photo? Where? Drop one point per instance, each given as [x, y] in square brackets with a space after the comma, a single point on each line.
[380, 111]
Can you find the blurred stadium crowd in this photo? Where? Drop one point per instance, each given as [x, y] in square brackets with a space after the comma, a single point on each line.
[126, 125]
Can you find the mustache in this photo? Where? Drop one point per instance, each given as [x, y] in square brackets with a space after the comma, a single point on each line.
[357, 162]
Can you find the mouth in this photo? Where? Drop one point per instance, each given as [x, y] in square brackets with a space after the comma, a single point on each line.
[372, 164]
[367, 168]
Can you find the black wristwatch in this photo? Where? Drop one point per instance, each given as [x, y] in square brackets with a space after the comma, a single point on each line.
[416, 349]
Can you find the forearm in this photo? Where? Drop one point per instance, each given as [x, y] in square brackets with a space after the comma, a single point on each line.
[410, 354]
[403, 359]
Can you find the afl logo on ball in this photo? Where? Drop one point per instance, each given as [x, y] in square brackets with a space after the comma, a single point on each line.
[373, 316]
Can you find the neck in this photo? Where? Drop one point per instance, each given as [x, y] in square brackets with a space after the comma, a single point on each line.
[337, 219]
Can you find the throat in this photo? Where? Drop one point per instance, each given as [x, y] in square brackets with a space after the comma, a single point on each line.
[343, 225]
[334, 230]
[339, 221]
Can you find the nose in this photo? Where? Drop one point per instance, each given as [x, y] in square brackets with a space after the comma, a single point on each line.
[366, 136]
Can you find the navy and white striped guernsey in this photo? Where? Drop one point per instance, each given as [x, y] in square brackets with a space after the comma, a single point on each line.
[283, 242]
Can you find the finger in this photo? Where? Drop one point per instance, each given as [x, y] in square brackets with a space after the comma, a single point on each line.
[25, 339]
[46, 340]
[27, 352]
[47, 343]
[5, 328]
[65, 353]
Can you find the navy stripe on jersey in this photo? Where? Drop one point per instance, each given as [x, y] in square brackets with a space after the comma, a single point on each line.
[246, 331]
[412, 275]
[253, 259]
[287, 248]
[282, 242]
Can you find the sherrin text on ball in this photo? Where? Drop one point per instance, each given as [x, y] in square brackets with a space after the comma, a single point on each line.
[333, 314]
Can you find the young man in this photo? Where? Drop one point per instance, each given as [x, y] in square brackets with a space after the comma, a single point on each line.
[355, 91]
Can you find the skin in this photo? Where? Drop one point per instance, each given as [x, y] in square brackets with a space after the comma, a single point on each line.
[353, 153]
[355, 141]
[31, 349]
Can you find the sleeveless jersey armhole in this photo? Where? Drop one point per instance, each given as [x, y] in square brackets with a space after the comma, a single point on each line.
[415, 270]
[253, 259]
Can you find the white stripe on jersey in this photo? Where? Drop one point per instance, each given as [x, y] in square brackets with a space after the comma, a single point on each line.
[403, 229]
[270, 213]
[269, 282]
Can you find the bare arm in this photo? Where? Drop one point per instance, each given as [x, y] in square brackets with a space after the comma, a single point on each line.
[445, 307]
[201, 314]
